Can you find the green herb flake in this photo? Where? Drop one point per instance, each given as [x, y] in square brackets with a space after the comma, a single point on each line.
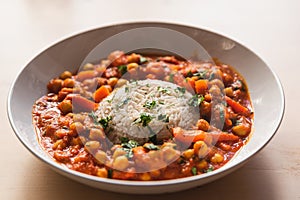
[181, 90]
[109, 173]
[122, 69]
[144, 119]
[201, 74]
[150, 105]
[143, 60]
[196, 100]
[124, 102]
[163, 90]
[94, 117]
[171, 78]
[194, 171]
[104, 122]
[127, 146]
[151, 146]
[126, 89]
[210, 169]
[189, 74]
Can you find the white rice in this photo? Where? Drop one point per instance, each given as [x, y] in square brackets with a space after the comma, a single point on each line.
[126, 104]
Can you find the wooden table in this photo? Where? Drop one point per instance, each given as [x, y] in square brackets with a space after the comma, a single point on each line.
[270, 29]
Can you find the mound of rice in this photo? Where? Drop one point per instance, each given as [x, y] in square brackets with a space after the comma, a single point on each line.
[141, 109]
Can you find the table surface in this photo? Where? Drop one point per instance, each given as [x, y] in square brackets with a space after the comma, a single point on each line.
[270, 29]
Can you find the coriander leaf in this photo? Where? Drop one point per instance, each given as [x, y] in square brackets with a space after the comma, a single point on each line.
[94, 117]
[122, 69]
[194, 171]
[201, 74]
[109, 173]
[104, 122]
[189, 74]
[143, 60]
[196, 100]
[210, 169]
[150, 105]
[126, 89]
[171, 78]
[150, 146]
[128, 146]
[181, 89]
[144, 119]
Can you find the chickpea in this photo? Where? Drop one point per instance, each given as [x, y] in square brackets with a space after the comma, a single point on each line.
[228, 91]
[118, 152]
[65, 106]
[132, 66]
[112, 81]
[101, 81]
[133, 58]
[217, 158]
[96, 134]
[200, 149]
[120, 163]
[170, 154]
[187, 154]
[145, 177]
[69, 83]
[121, 82]
[151, 76]
[77, 127]
[78, 118]
[92, 145]
[101, 157]
[65, 75]
[155, 173]
[241, 130]
[102, 172]
[55, 85]
[87, 67]
[202, 164]
[203, 125]
[216, 82]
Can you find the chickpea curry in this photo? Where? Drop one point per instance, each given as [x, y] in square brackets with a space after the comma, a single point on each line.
[83, 124]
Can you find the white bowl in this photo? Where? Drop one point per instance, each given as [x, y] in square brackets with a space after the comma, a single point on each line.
[264, 86]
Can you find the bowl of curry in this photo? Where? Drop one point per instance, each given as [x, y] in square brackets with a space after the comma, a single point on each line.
[120, 117]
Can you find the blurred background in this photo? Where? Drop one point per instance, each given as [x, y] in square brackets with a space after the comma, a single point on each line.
[269, 28]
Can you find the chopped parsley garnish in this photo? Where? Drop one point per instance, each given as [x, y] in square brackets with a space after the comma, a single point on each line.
[196, 100]
[123, 102]
[201, 74]
[151, 146]
[194, 171]
[122, 69]
[126, 89]
[109, 173]
[104, 122]
[180, 89]
[127, 146]
[171, 78]
[144, 119]
[143, 59]
[163, 90]
[94, 117]
[163, 118]
[210, 169]
[150, 105]
[189, 74]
